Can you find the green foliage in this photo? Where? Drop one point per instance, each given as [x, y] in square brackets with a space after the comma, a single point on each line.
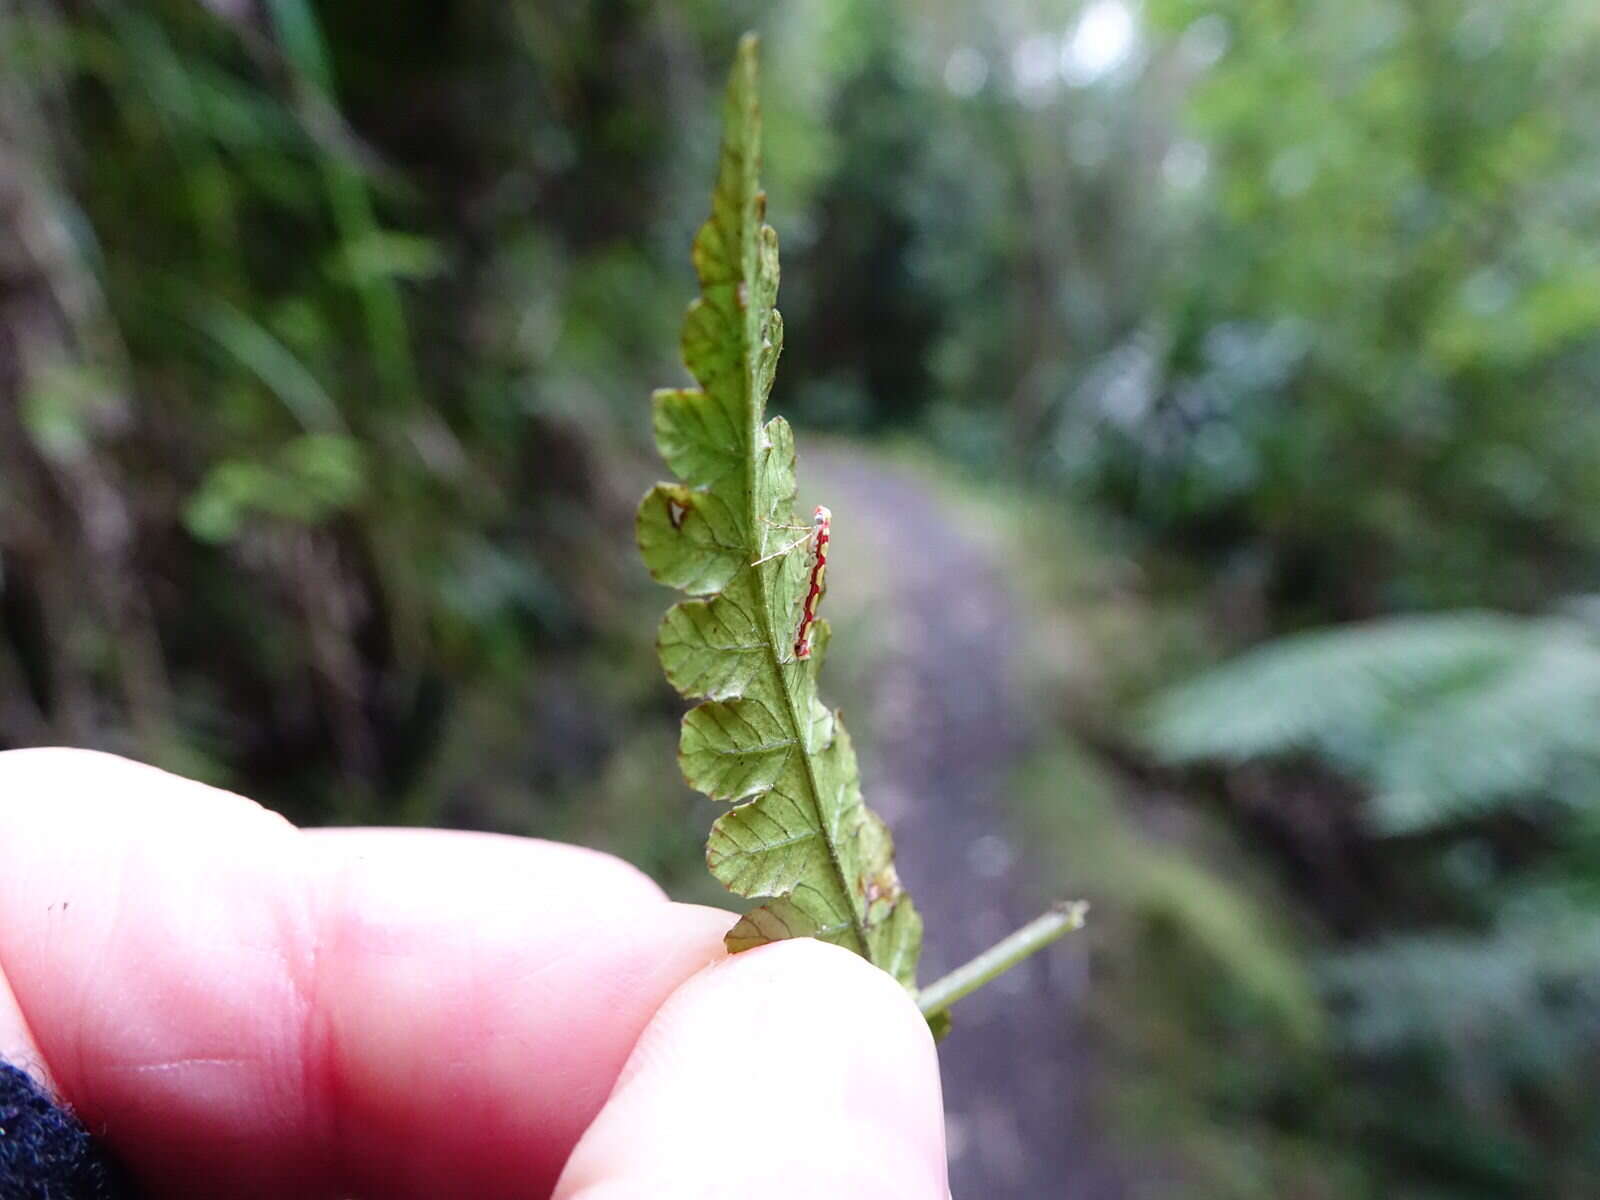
[309, 479]
[1467, 728]
[355, 381]
[1483, 1038]
[1216, 916]
[1517, 1001]
[1205, 1002]
[1369, 362]
[1445, 717]
[800, 836]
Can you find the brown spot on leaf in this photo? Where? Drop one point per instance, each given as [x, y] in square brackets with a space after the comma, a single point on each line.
[881, 888]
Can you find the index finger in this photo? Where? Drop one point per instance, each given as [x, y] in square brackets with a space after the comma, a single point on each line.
[246, 1009]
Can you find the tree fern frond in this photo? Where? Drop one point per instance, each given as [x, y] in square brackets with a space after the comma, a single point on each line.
[1442, 716]
[1516, 733]
[1522, 995]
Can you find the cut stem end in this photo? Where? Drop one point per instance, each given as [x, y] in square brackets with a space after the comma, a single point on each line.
[1062, 918]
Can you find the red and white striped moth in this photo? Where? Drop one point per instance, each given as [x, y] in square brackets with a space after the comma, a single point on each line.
[817, 535]
[821, 531]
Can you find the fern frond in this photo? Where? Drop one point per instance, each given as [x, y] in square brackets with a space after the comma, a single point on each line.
[799, 836]
[1522, 993]
[1533, 727]
[1442, 716]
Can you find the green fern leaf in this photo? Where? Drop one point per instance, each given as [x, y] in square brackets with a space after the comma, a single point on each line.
[1444, 717]
[798, 836]
[1328, 691]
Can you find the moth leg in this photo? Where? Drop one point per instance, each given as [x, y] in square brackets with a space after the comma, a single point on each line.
[779, 553]
[781, 525]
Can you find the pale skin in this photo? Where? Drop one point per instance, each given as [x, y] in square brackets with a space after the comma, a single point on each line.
[245, 1009]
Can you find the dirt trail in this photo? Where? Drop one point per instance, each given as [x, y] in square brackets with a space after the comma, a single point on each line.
[943, 728]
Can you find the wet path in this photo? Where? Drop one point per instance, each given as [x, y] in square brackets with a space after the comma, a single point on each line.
[942, 727]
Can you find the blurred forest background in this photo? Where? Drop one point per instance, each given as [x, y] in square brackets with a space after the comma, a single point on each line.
[1254, 344]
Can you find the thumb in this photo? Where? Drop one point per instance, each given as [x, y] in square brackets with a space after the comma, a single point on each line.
[793, 1070]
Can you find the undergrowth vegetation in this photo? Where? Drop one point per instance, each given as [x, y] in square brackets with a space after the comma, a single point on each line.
[1476, 739]
[1254, 346]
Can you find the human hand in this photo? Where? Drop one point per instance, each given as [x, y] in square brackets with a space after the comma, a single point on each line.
[244, 1009]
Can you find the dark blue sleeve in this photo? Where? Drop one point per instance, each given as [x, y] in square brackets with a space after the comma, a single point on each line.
[45, 1152]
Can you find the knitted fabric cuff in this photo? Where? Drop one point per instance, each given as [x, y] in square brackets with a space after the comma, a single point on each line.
[45, 1152]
